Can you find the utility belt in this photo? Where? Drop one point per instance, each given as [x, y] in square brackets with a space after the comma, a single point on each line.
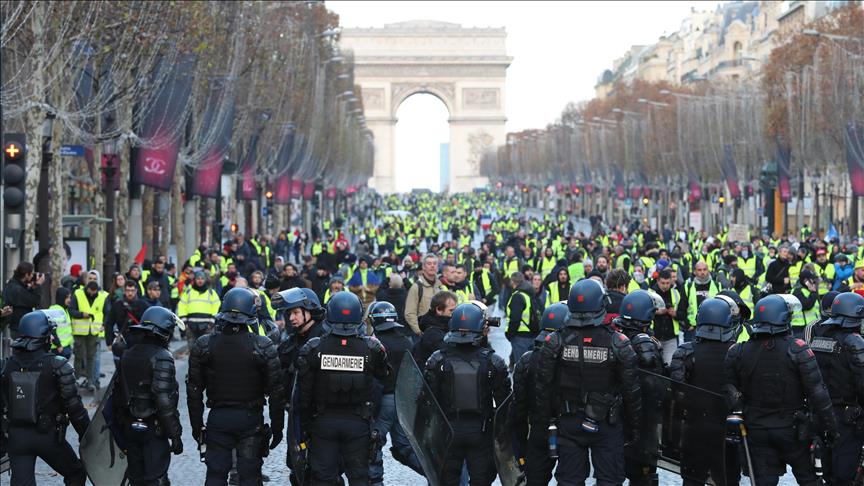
[597, 407]
[253, 405]
[48, 423]
[362, 410]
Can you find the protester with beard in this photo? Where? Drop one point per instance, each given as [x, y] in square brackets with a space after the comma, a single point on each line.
[433, 325]
[123, 313]
[601, 265]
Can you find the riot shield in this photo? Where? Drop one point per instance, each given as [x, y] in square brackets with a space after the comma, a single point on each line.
[103, 458]
[509, 453]
[422, 419]
[683, 430]
[4, 463]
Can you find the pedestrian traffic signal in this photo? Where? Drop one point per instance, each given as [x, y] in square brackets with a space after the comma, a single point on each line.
[14, 172]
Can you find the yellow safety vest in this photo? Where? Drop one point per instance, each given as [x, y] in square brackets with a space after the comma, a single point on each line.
[748, 266]
[511, 267]
[827, 275]
[692, 302]
[804, 317]
[93, 326]
[270, 310]
[552, 294]
[64, 329]
[195, 302]
[576, 271]
[526, 312]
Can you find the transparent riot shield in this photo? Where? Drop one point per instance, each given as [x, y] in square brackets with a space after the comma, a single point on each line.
[683, 430]
[509, 452]
[103, 458]
[298, 451]
[422, 419]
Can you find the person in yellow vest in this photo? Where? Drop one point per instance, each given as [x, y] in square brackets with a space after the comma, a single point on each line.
[522, 327]
[87, 311]
[807, 292]
[198, 307]
[546, 263]
[665, 325]
[558, 290]
[336, 284]
[63, 344]
[698, 288]
[825, 270]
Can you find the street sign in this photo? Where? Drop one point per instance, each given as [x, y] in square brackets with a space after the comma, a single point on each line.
[71, 151]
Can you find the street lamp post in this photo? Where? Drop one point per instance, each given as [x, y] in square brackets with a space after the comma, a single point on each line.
[42, 191]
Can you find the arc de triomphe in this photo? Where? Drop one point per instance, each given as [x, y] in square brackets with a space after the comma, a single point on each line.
[464, 67]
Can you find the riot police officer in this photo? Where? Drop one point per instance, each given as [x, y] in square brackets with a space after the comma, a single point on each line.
[773, 380]
[698, 363]
[237, 368]
[637, 312]
[382, 318]
[531, 432]
[303, 314]
[46, 400]
[335, 374]
[145, 398]
[586, 374]
[839, 350]
[466, 376]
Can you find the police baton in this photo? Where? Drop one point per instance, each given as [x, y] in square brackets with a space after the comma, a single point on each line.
[738, 419]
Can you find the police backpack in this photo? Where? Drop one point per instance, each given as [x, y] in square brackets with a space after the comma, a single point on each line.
[23, 393]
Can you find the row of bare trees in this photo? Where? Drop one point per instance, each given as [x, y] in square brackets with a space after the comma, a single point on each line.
[171, 95]
[799, 117]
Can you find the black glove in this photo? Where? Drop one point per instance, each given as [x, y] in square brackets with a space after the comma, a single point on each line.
[176, 446]
[277, 438]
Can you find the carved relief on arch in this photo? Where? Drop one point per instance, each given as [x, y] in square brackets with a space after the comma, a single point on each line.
[445, 91]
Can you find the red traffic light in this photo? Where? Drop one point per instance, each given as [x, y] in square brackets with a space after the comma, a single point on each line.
[268, 194]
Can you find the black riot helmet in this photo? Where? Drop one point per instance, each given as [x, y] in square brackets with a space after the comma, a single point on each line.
[35, 331]
[554, 317]
[159, 321]
[637, 310]
[239, 306]
[587, 303]
[383, 316]
[773, 314]
[714, 320]
[466, 324]
[345, 314]
[289, 299]
[826, 302]
[744, 312]
[847, 310]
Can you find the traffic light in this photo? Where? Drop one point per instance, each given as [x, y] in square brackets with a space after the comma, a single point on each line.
[268, 194]
[721, 200]
[14, 172]
[645, 201]
[234, 228]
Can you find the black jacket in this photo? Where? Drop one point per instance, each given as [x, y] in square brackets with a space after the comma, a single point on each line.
[395, 297]
[777, 272]
[433, 328]
[123, 313]
[22, 299]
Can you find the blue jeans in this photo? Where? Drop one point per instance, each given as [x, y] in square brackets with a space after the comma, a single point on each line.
[385, 423]
[520, 344]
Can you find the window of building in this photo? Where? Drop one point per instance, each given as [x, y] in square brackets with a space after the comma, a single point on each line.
[736, 50]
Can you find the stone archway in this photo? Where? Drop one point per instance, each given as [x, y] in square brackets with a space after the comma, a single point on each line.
[464, 67]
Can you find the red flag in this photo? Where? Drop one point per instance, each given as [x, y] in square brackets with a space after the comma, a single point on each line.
[139, 258]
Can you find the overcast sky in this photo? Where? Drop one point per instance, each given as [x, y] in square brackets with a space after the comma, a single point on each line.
[559, 49]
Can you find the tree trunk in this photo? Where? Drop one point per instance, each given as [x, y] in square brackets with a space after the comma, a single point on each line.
[33, 120]
[177, 236]
[56, 191]
[147, 228]
[97, 230]
[124, 119]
